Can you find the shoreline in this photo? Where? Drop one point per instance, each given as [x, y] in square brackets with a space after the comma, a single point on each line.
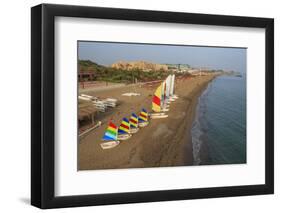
[221, 140]
[164, 142]
[203, 152]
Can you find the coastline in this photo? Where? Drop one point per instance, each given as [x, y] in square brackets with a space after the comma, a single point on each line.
[218, 140]
[203, 151]
[164, 142]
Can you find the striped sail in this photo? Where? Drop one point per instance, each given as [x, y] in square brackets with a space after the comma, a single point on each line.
[134, 121]
[111, 132]
[156, 101]
[124, 127]
[143, 116]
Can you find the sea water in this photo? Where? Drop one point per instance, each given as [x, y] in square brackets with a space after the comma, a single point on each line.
[219, 128]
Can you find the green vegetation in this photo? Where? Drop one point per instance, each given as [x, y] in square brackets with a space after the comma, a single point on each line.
[89, 66]
[102, 73]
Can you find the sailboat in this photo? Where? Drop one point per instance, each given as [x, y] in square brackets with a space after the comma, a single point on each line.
[157, 104]
[124, 130]
[173, 97]
[133, 123]
[165, 103]
[167, 90]
[143, 118]
[110, 136]
[170, 88]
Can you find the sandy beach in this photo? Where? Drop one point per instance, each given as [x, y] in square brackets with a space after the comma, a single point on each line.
[164, 142]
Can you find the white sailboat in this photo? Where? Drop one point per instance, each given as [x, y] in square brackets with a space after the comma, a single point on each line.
[164, 101]
[173, 97]
[168, 88]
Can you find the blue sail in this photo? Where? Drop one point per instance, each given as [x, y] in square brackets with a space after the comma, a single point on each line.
[110, 133]
[108, 137]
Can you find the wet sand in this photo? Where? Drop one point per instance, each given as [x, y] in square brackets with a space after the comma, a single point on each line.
[164, 142]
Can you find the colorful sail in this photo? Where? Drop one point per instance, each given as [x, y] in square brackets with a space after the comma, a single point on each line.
[134, 121]
[143, 116]
[111, 132]
[156, 101]
[124, 127]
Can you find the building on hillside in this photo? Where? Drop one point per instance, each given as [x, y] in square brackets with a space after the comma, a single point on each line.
[86, 76]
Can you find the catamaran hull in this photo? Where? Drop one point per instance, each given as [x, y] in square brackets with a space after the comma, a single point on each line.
[143, 124]
[124, 137]
[133, 130]
[165, 110]
[158, 115]
[109, 144]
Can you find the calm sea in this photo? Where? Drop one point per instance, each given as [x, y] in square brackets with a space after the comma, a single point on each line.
[219, 129]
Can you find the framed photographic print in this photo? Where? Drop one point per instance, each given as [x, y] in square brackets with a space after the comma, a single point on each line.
[139, 106]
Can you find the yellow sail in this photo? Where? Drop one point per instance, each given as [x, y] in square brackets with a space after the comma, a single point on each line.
[156, 102]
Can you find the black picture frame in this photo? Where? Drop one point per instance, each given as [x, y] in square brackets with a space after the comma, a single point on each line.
[43, 117]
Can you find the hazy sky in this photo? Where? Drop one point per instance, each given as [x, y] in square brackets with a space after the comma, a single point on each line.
[106, 53]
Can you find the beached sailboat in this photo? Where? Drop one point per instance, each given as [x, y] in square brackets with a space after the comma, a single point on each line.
[173, 97]
[170, 88]
[110, 136]
[133, 123]
[167, 89]
[124, 130]
[157, 104]
[143, 118]
[164, 101]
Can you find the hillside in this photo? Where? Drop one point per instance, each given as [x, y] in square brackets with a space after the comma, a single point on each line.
[140, 72]
[88, 65]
